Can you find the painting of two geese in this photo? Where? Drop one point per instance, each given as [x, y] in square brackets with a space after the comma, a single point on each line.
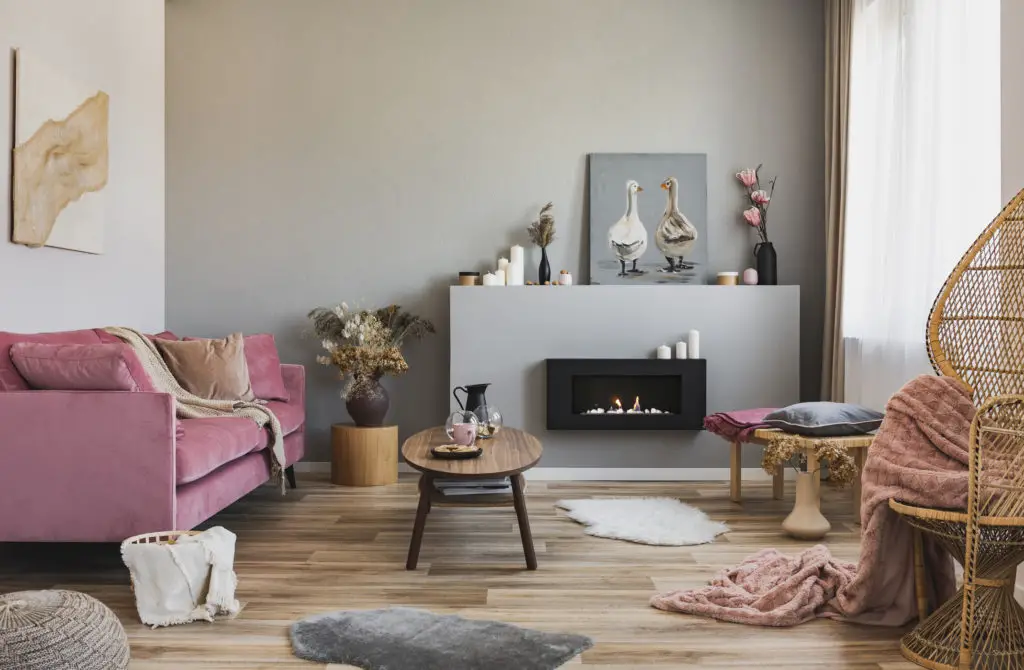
[648, 218]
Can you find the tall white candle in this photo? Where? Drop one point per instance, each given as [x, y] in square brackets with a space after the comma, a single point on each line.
[680, 349]
[514, 275]
[500, 277]
[664, 352]
[693, 344]
[516, 254]
[490, 279]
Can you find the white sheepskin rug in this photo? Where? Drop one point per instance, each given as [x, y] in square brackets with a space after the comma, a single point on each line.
[660, 521]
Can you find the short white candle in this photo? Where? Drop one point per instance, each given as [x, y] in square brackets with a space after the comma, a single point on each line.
[680, 349]
[515, 254]
[503, 267]
[514, 276]
[499, 276]
[490, 279]
[565, 278]
[664, 352]
[693, 344]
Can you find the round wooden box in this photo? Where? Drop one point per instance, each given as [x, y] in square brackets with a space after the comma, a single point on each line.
[364, 456]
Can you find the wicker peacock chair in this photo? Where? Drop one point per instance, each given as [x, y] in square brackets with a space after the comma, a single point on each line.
[976, 334]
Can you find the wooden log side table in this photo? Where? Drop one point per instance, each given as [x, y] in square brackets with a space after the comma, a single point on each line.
[857, 444]
[507, 454]
[364, 456]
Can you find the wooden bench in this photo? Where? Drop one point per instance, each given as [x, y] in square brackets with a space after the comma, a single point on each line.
[858, 444]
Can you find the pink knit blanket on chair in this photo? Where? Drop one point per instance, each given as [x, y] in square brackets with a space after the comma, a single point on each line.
[919, 457]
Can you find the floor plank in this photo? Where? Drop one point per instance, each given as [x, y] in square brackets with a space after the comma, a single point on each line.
[324, 548]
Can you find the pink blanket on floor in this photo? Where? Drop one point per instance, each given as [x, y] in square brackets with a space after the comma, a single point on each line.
[737, 425]
[919, 457]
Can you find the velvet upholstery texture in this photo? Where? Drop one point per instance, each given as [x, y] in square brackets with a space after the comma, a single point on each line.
[264, 364]
[80, 367]
[10, 378]
[211, 369]
[85, 466]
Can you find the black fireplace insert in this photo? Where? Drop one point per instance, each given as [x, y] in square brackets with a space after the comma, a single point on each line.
[626, 394]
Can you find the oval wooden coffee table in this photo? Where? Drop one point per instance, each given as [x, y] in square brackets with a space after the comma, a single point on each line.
[507, 454]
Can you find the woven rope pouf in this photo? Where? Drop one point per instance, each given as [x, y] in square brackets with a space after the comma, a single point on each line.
[60, 630]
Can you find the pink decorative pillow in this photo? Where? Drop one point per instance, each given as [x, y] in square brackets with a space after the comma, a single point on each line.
[264, 367]
[80, 367]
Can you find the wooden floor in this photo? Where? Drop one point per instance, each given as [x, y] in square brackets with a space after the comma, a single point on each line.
[324, 548]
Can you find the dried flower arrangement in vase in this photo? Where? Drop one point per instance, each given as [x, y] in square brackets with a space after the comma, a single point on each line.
[542, 233]
[365, 345]
[757, 217]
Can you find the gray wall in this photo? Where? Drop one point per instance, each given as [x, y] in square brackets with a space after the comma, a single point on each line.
[119, 47]
[328, 150]
[749, 336]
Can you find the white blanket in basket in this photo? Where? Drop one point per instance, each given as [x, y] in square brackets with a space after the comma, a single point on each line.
[190, 580]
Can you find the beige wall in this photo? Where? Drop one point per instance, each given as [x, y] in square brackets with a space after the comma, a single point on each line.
[117, 45]
[1013, 97]
[328, 150]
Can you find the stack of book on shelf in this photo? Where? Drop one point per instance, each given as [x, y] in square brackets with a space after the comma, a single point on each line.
[473, 487]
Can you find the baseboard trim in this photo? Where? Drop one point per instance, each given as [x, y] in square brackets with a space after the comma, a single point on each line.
[556, 474]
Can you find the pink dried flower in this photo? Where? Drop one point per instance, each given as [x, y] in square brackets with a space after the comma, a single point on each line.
[747, 177]
[753, 216]
[761, 197]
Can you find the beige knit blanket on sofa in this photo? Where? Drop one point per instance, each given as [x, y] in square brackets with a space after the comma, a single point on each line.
[919, 457]
[190, 406]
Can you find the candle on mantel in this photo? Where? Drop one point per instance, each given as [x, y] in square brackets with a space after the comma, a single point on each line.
[490, 279]
[503, 267]
[500, 276]
[664, 352]
[516, 255]
[514, 276]
[693, 344]
[680, 349]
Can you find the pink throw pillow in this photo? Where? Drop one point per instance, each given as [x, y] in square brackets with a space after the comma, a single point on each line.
[264, 365]
[80, 367]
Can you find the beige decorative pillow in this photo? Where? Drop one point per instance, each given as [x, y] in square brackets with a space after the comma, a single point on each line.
[211, 369]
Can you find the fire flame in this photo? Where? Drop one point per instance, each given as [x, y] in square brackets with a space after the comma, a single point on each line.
[636, 404]
[617, 403]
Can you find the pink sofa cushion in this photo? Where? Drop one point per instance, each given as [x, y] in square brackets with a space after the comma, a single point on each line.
[210, 443]
[80, 367]
[10, 379]
[264, 365]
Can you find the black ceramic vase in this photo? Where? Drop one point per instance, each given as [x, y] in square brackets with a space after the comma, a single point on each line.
[767, 273]
[367, 403]
[544, 271]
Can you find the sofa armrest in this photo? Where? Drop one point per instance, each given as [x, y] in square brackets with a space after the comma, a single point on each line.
[85, 466]
[295, 383]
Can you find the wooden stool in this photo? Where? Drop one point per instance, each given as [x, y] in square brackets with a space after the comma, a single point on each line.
[364, 456]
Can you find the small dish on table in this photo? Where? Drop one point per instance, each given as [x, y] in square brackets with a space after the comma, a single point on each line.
[456, 451]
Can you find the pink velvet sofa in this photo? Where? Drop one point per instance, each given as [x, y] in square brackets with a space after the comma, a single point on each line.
[101, 466]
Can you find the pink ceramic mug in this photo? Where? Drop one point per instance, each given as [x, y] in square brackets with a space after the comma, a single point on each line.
[464, 433]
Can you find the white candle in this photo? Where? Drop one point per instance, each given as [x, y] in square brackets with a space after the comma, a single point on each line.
[664, 352]
[503, 267]
[516, 254]
[490, 279]
[680, 349]
[514, 275]
[693, 344]
[500, 277]
[565, 278]
[750, 277]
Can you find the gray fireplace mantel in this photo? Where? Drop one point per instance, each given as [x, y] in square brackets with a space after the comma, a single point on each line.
[749, 336]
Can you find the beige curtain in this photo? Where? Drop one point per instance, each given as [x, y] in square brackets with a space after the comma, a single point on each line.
[838, 36]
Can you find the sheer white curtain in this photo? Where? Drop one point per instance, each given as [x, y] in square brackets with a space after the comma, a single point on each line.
[923, 175]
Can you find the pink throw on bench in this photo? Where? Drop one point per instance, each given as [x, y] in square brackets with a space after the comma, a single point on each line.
[919, 457]
[738, 425]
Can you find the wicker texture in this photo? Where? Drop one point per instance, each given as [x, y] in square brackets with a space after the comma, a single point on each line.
[60, 630]
[976, 334]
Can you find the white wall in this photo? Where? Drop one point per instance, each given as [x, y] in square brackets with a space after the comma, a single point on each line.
[117, 45]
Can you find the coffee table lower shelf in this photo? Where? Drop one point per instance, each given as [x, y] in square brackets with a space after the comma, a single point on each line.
[429, 496]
